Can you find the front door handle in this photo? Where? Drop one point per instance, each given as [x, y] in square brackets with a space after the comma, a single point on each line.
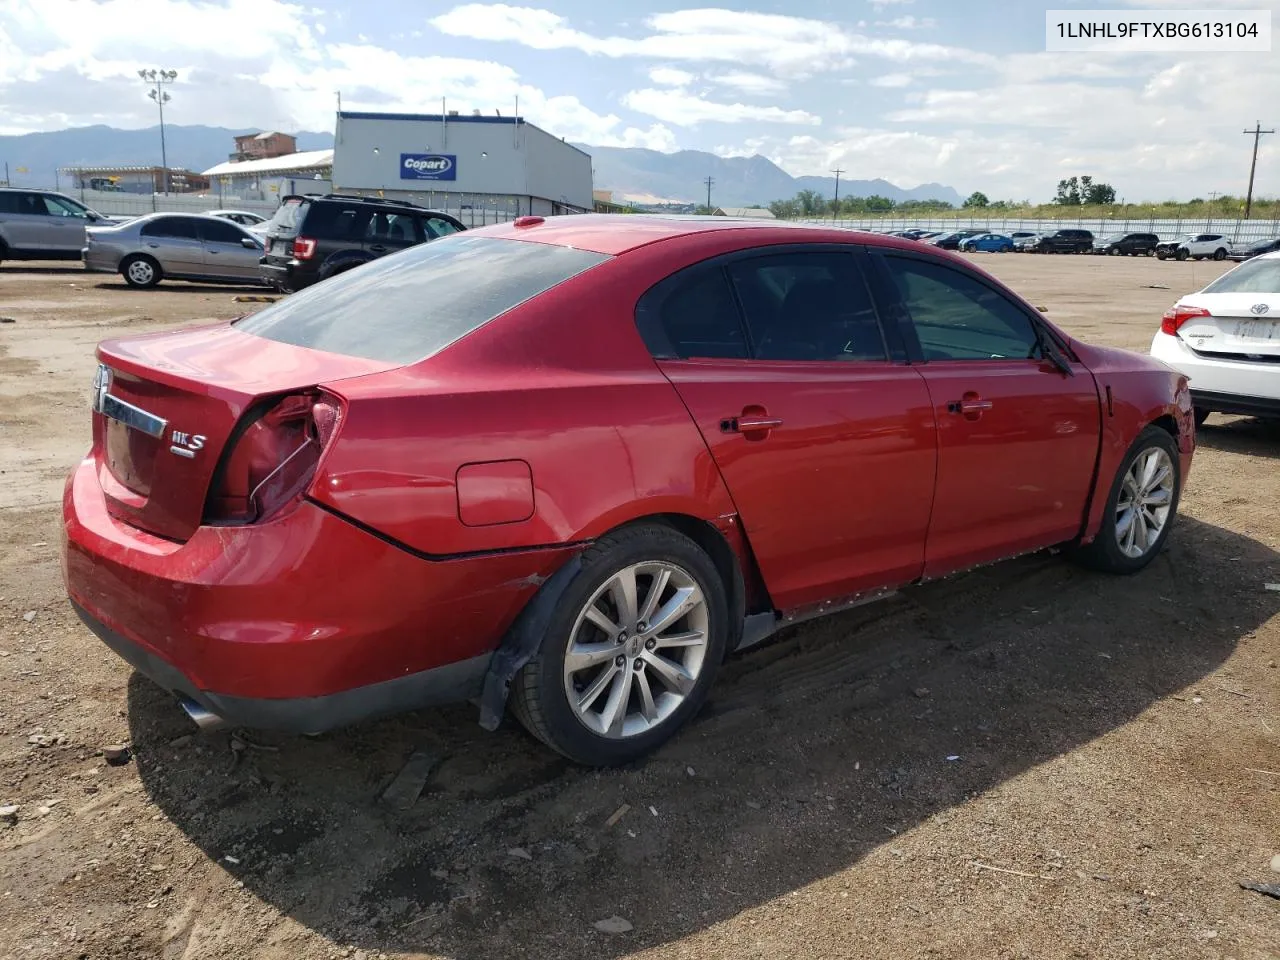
[970, 406]
[378, 248]
[752, 420]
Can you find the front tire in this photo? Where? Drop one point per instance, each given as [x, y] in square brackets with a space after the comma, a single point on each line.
[1141, 506]
[1181, 255]
[630, 651]
[140, 271]
[1220, 254]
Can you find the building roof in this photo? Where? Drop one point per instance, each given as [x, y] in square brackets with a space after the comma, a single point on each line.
[122, 168]
[454, 118]
[310, 161]
[755, 213]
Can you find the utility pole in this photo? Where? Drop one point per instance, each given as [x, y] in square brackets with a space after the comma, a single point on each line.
[835, 204]
[156, 81]
[709, 181]
[1257, 132]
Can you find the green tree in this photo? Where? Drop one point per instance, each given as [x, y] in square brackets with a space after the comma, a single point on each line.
[811, 202]
[1068, 192]
[785, 209]
[977, 199]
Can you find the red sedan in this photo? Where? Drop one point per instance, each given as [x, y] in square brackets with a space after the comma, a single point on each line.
[574, 463]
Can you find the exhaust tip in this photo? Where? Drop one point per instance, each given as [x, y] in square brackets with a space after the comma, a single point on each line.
[204, 719]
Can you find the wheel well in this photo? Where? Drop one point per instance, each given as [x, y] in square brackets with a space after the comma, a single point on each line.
[1167, 424]
[745, 587]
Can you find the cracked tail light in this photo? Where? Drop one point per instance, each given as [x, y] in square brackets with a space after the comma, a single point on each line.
[271, 459]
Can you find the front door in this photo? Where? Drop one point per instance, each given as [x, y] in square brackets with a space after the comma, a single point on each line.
[1017, 437]
[26, 221]
[827, 445]
[225, 255]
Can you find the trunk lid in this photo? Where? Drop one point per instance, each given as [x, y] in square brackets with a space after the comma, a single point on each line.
[166, 405]
[1243, 326]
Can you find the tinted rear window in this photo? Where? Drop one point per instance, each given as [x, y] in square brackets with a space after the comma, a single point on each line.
[408, 306]
[285, 220]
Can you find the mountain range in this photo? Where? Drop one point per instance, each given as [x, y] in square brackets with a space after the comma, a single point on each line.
[630, 172]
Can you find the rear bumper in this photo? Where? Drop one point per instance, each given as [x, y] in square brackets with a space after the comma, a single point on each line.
[286, 275]
[1236, 403]
[1247, 384]
[304, 623]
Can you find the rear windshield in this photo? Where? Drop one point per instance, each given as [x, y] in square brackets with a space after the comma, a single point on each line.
[285, 220]
[1252, 276]
[410, 305]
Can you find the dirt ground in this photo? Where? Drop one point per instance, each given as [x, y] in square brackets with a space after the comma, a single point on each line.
[1027, 761]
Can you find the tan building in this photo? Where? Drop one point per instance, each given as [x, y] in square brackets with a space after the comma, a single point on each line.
[262, 146]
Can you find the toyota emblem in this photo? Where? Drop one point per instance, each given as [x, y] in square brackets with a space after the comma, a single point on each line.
[1258, 309]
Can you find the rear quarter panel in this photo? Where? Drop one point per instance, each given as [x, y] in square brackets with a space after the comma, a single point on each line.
[564, 384]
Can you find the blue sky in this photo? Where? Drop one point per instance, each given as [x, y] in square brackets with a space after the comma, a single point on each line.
[909, 90]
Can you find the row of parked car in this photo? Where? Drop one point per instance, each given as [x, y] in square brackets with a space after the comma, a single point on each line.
[1203, 246]
[310, 238]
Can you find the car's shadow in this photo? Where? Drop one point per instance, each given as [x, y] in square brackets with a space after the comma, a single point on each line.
[72, 266]
[181, 286]
[1250, 436]
[812, 753]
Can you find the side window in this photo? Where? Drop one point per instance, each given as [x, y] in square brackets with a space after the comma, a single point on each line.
[333, 221]
[10, 202]
[437, 227]
[215, 230]
[692, 316]
[807, 306]
[56, 207]
[957, 317]
[183, 227]
[393, 228]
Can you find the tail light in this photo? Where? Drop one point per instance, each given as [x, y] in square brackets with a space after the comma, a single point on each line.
[1177, 315]
[303, 248]
[271, 459]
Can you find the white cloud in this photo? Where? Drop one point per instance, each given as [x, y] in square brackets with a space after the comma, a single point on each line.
[751, 83]
[671, 77]
[788, 47]
[892, 80]
[686, 109]
[908, 23]
[282, 73]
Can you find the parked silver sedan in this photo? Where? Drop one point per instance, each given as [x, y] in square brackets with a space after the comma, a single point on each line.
[175, 246]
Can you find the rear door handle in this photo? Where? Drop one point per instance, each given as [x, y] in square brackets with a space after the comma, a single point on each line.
[750, 423]
[974, 406]
[970, 406]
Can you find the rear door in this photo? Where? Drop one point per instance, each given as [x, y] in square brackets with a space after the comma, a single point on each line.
[389, 232]
[823, 433]
[225, 255]
[174, 241]
[1017, 438]
[26, 220]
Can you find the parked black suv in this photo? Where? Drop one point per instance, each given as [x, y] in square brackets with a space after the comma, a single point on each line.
[1066, 241]
[1128, 244]
[312, 237]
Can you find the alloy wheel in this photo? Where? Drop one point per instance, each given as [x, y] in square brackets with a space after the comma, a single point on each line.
[141, 272]
[1145, 501]
[636, 650]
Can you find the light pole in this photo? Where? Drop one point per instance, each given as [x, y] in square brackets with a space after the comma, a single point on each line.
[156, 80]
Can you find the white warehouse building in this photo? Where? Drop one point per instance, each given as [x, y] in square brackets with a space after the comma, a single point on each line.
[481, 169]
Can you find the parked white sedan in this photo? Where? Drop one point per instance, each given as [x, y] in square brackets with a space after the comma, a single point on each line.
[1226, 339]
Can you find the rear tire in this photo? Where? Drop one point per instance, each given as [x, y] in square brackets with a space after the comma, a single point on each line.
[1141, 506]
[140, 271]
[549, 694]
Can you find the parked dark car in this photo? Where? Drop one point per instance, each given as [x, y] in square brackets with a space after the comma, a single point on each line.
[1066, 241]
[1255, 249]
[951, 241]
[1127, 244]
[312, 238]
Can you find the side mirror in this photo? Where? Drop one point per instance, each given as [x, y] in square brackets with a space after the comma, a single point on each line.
[249, 243]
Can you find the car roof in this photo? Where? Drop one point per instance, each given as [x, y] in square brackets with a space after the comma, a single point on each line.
[613, 234]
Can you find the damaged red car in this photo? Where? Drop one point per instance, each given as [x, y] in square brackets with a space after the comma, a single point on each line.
[567, 466]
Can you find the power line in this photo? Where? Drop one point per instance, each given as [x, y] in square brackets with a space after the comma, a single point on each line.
[835, 204]
[709, 181]
[1257, 132]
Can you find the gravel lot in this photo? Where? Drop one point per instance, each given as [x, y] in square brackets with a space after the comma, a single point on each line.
[1118, 745]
